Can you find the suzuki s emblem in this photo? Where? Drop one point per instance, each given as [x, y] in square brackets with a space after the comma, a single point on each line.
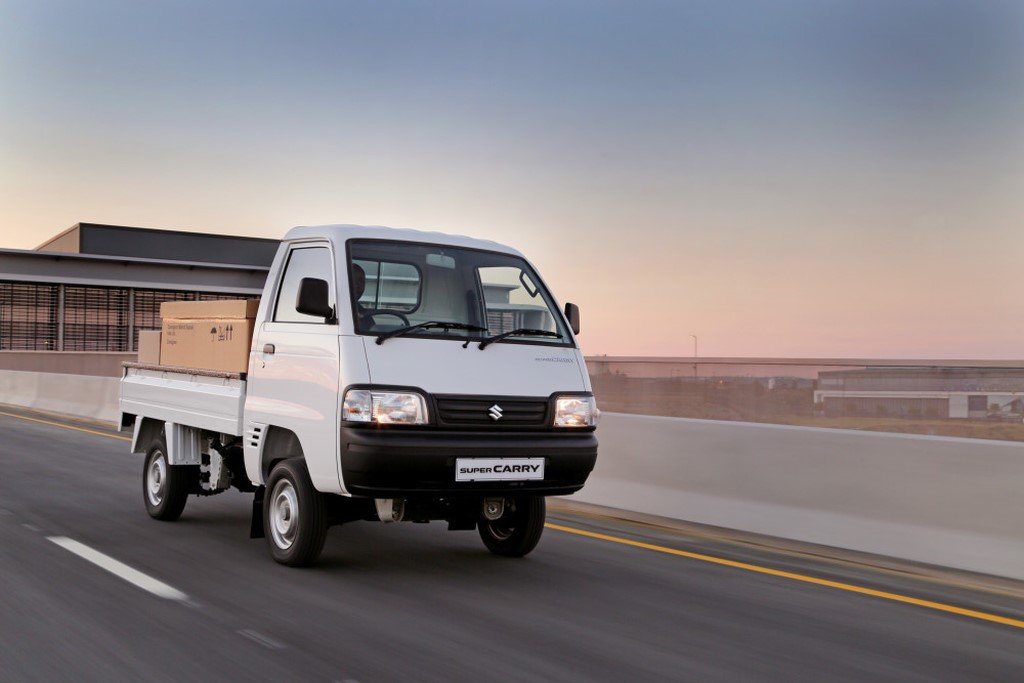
[495, 412]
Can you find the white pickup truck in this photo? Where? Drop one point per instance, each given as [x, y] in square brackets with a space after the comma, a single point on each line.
[394, 375]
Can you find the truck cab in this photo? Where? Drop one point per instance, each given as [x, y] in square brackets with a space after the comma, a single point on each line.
[399, 375]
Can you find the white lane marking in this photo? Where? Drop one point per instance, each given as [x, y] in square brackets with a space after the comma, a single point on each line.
[265, 641]
[31, 527]
[119, 569]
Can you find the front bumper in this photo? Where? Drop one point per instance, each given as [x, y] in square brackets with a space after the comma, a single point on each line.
[398, 463]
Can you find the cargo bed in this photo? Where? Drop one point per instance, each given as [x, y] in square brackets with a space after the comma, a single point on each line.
[207, 399]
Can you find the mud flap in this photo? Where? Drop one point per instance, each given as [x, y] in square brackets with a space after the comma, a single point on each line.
[256, 529]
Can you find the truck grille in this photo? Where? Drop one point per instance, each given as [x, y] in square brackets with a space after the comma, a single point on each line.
[491, 412]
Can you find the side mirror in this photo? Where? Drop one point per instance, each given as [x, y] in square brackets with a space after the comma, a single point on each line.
[572, 314]
[314, 298]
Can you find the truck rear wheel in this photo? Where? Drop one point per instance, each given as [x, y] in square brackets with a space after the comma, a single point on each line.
[165, 487]
[294, 515]
[519, 530]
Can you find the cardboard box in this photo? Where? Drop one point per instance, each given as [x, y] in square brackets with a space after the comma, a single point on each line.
[149, 347]
[226, 308]
[208, 335]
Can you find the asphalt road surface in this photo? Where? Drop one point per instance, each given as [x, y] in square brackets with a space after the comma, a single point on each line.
[92, 589]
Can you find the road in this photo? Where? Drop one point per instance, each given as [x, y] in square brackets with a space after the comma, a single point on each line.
[416, 602]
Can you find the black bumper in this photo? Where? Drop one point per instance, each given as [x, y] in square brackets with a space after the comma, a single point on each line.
[392, 463]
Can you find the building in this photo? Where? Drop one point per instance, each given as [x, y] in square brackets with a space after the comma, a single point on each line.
[77, 302]
[985, 393]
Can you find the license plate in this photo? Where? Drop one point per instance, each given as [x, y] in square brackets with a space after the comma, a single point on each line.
[498, 469]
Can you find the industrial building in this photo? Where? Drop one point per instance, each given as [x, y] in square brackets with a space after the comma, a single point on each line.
[77, 302]
[981, 393]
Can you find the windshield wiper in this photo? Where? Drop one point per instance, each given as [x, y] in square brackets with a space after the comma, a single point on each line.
[430, 324]
[524, 331]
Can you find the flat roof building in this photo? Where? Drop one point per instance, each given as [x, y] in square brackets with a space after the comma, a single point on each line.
[922, 392]
[93, 287]
[96, 239]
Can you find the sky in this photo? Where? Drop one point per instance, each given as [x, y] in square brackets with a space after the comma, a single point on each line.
[780, 178]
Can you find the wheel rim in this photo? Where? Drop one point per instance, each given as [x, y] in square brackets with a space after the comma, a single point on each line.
[156, 479]
[284, 514]
[500, 532]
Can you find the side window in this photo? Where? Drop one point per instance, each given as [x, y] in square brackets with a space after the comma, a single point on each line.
[389, 286]
[303, 262]
[513, 301]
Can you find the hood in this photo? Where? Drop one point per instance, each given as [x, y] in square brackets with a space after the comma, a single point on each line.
[442, 366]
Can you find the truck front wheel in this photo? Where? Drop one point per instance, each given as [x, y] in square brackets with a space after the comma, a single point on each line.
[518, 531]
[294, 515]
[165, 487]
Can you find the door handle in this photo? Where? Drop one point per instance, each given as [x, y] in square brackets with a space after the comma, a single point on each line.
[268, 349]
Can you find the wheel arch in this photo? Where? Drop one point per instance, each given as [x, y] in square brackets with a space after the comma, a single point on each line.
[147, 429]
[279, 444]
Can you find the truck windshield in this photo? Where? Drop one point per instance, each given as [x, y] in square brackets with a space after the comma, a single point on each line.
[396, 285]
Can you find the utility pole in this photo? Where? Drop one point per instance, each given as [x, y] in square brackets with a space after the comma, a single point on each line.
[694, 356]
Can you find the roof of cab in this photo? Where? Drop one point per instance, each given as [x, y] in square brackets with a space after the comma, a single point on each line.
[339, 234]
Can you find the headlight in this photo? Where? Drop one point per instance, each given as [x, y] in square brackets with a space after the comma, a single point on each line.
[576, 411]
[384, 407]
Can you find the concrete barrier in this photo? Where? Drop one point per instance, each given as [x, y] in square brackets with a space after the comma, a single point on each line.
[83, 395]
[952, 502]
[947, 501]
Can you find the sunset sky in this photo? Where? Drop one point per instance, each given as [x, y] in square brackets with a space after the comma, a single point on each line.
[780, 178]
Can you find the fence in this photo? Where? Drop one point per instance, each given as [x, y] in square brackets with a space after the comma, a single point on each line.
[60, 317]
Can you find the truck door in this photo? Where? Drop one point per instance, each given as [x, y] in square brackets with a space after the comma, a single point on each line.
[294, 380]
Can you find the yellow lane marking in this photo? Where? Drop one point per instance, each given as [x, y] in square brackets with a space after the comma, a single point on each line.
[849, 587]
[64, 426]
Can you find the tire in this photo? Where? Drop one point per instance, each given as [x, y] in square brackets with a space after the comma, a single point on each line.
[294, 515]
[519, 530]
[165, 487]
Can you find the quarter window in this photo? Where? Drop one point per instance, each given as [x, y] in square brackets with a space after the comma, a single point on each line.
[313, 262]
